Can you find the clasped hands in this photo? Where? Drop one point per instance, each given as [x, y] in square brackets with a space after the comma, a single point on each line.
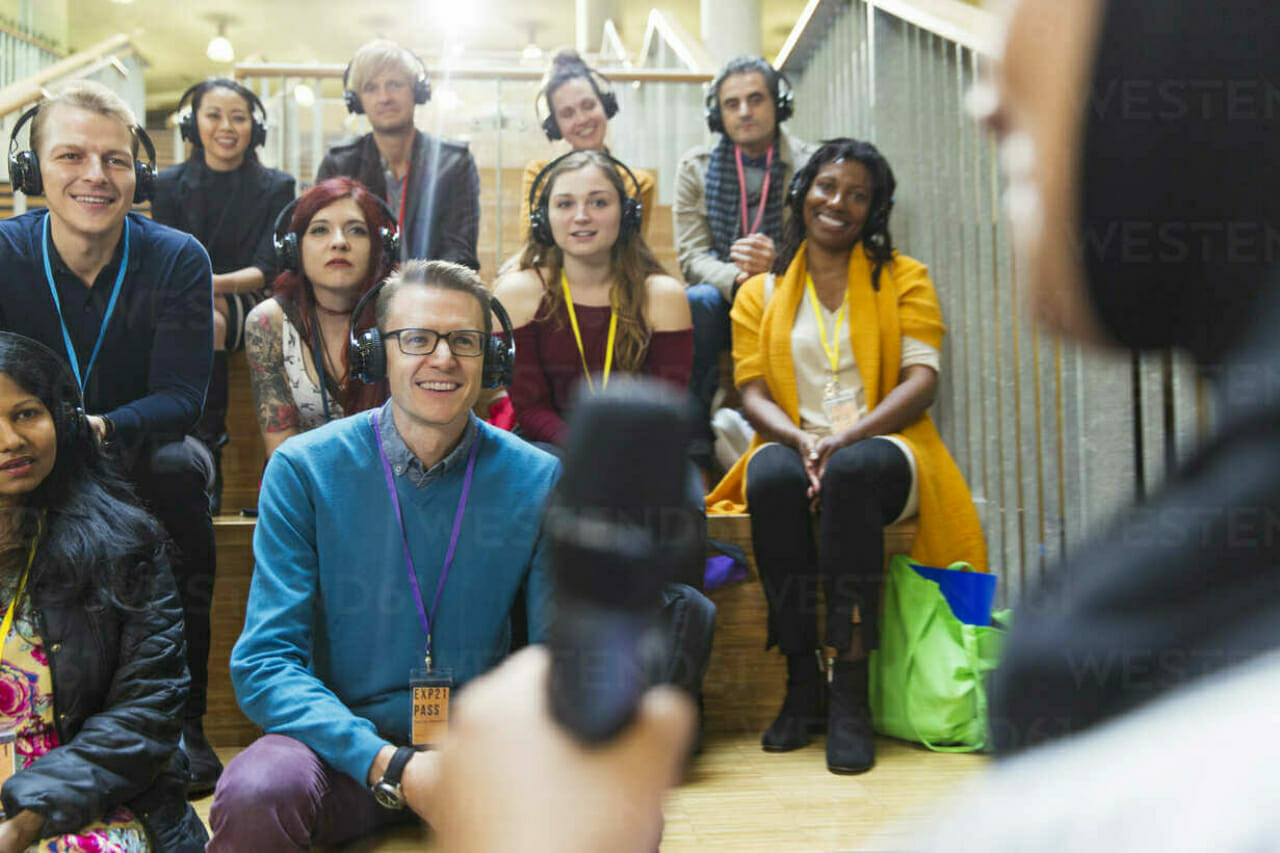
[816, 453]
[752, 254]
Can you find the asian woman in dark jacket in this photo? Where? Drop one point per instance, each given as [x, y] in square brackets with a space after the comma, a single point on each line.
[92, 666]
[228, 200]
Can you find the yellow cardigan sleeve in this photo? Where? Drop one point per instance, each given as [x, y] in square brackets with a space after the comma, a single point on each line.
[748, 319]
[918, 310]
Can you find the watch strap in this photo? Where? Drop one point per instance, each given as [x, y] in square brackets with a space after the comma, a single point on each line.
[395, 767]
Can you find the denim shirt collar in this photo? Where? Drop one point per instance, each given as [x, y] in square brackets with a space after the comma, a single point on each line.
[405, 464]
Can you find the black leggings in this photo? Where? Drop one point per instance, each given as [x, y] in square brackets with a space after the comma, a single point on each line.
[864, 487]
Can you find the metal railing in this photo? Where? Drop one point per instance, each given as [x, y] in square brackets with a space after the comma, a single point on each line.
[1051, 438]
[492, 107]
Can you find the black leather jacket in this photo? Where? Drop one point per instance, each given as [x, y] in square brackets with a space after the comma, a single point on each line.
[119, 683]
[442, 215]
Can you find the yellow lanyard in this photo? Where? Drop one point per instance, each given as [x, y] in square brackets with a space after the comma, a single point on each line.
[577, 335]
[832, 349]
[7, 625]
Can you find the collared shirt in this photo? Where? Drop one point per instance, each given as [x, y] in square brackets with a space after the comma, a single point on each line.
[403, 461]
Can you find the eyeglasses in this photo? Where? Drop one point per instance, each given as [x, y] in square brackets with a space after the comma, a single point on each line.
[466, 343]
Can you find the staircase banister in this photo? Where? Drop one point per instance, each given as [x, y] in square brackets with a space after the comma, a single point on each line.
[19, 95]
[491, 72]
[970, 26]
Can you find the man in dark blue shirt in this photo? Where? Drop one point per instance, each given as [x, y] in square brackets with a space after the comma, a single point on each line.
[129, 302]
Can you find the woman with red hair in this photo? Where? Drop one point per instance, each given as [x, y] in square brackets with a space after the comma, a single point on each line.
[334, 251]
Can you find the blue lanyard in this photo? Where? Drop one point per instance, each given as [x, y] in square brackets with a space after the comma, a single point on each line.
[111, 306]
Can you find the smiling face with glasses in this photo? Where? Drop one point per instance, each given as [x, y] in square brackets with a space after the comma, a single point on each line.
[434, 371]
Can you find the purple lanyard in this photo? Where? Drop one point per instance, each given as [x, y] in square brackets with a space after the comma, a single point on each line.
[427, 622]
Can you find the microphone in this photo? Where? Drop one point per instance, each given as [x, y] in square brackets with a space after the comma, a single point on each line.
[616, 533]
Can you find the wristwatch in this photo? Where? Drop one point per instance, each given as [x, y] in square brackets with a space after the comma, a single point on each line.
[387, 790]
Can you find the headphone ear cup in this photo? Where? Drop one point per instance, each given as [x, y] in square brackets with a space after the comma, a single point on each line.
[144, 175]
[259, 135]
[368, 357]
[352, 100]
[24, 171]
[287, 252]
[540, 225]
[390, 246]
[609, 101]
[498, 364]
[421, 90]
[632, 218]
[187, 128]
[712, 111]
[551, 128]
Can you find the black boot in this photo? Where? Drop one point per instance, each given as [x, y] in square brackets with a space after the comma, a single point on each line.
[801, 713]
[204, 768]
[851, 745]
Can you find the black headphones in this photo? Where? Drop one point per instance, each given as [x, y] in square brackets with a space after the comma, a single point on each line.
[784, 97]
[540, 218]
[188, 123]
[421, 87]
[289, 254]
[367, 351]
[608, 100]
[24, 166]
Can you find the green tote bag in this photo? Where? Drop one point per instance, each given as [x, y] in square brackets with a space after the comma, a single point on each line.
[928, 678]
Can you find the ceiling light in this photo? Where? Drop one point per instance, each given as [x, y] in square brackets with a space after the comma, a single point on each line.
[531, 51]
[304, 95]
[219, 49]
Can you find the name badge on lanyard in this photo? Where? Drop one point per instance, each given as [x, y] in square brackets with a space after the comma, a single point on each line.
[839, 402]
[431, 689]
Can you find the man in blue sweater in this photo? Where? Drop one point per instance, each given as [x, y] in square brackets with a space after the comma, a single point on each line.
[387, 542]
[129, 303]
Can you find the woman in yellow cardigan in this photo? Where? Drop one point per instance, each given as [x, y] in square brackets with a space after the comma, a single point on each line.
[837, 360]
[576, 103]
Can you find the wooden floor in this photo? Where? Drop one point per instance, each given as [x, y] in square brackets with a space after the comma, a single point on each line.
[738, 797]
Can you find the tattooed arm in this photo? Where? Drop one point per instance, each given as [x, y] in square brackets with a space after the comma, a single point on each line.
[277, 413]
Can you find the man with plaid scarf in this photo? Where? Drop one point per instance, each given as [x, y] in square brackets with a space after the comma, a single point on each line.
[729, 208]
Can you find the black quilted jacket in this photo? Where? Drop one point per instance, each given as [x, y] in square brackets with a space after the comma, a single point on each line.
[119, 683]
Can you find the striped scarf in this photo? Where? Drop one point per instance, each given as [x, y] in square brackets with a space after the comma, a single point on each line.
[724, 200]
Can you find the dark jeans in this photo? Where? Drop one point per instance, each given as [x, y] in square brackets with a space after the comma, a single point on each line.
[864, 487]
[172, 480]
[279, 795]
[711, 336]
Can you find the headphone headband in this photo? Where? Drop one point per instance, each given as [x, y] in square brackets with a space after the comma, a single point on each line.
[24, 166]
[539, 219]
[289, 254]
[421, 85]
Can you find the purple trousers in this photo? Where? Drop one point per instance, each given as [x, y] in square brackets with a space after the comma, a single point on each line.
[279, 795]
